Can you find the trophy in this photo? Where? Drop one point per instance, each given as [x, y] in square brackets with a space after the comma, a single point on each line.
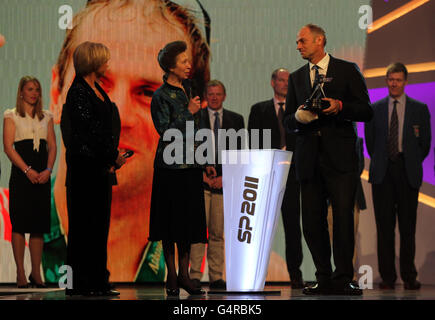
[315, 103]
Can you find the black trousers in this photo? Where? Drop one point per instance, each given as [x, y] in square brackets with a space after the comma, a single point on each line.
[394, 197]
[290, 210]
[88, 200]
[339, 188]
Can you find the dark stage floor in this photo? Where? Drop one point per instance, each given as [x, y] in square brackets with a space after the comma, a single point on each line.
[281, 302]
[281, 292]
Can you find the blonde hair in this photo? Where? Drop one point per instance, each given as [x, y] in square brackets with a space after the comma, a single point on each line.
[19, 106]
[88, 57]
[199, 47]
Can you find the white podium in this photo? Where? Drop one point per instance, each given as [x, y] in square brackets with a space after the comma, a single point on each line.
[254, 183]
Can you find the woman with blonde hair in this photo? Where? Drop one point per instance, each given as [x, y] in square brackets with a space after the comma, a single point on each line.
[30, 143]
[91, 154]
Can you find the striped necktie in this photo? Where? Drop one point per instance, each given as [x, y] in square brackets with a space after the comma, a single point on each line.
[393, 134]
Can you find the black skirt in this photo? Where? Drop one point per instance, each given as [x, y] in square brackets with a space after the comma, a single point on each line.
[30, 204]
[177, 206]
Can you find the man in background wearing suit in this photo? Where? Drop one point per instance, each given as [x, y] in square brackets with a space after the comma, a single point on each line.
[325, 156]
[398, 139]
[269, 115]
[214, 117]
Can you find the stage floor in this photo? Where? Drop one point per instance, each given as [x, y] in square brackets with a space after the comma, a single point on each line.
[281, 292]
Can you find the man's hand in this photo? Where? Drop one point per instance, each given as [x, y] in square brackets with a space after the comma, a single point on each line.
[334, 108]
[305, 116]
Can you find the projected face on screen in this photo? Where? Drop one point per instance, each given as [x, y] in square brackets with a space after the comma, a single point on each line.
[134, 35]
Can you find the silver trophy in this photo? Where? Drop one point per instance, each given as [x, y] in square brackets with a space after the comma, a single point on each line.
[315, 103]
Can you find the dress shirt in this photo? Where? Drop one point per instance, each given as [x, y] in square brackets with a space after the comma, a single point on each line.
[400, 107]
[323, 68]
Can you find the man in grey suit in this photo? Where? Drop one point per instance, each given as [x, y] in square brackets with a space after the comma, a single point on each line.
[398, 139]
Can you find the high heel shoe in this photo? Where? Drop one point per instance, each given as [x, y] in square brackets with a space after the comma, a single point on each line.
[24, 286]
[34, 284]
[190, 287]
[173, 292]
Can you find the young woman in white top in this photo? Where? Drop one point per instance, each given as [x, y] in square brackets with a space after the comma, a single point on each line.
[30, 143]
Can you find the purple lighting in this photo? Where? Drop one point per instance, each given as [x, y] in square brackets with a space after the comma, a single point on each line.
[424, 92]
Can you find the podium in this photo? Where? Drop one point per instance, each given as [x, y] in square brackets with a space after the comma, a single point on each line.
[254, 183]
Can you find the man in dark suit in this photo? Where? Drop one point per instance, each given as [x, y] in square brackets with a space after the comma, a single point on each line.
[398, 139]
[269, 115]
[214, 117]
[325, 156]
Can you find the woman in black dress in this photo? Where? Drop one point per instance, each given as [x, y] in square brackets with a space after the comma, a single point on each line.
[177, 202]
[30, 143]
[91, 154]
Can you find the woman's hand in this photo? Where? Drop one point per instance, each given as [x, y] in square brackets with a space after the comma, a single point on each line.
[44, 176]
[194, 105]
[120, 160]
[33, 176]
[210, 171]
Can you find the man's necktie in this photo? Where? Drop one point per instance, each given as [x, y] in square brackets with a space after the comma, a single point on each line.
[216, 127]
[316, 76]
[393, 134]
[281, 126]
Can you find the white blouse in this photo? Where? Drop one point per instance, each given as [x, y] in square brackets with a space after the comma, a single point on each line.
[28, 127]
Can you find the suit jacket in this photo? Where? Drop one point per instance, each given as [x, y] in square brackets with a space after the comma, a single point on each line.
[263, 116]
[415, 143]
[335, 135]
[230, 120]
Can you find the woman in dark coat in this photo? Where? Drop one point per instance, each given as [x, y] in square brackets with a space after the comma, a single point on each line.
[91, 153]
[177, 202]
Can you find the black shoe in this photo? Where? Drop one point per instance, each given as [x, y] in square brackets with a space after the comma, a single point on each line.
[196, 283]
[297, 284]
[412, 285]
[386, 285]
[108, 293]
[75, 292]
[349, 290]
[173, 292]
[24, 286]
[218, 285]
[34, 284]
[190, 287]
[316, 290]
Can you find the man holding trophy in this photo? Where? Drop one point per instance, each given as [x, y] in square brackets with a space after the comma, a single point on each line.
[325, 97]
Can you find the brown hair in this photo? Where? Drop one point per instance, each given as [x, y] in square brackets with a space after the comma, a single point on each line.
[167, 57]
[215, 83]
[200, 48]
[317, 31]
[397, 67]
[19, 106]
[275, 73]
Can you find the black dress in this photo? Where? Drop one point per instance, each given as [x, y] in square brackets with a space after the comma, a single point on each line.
[29, 204]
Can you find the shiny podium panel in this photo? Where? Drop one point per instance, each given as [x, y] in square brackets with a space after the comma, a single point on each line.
[254, 183]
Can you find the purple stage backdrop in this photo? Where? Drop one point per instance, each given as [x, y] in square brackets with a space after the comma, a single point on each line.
[424, 92]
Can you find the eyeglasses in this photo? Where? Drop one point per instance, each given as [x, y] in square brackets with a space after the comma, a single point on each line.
[193, 6]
